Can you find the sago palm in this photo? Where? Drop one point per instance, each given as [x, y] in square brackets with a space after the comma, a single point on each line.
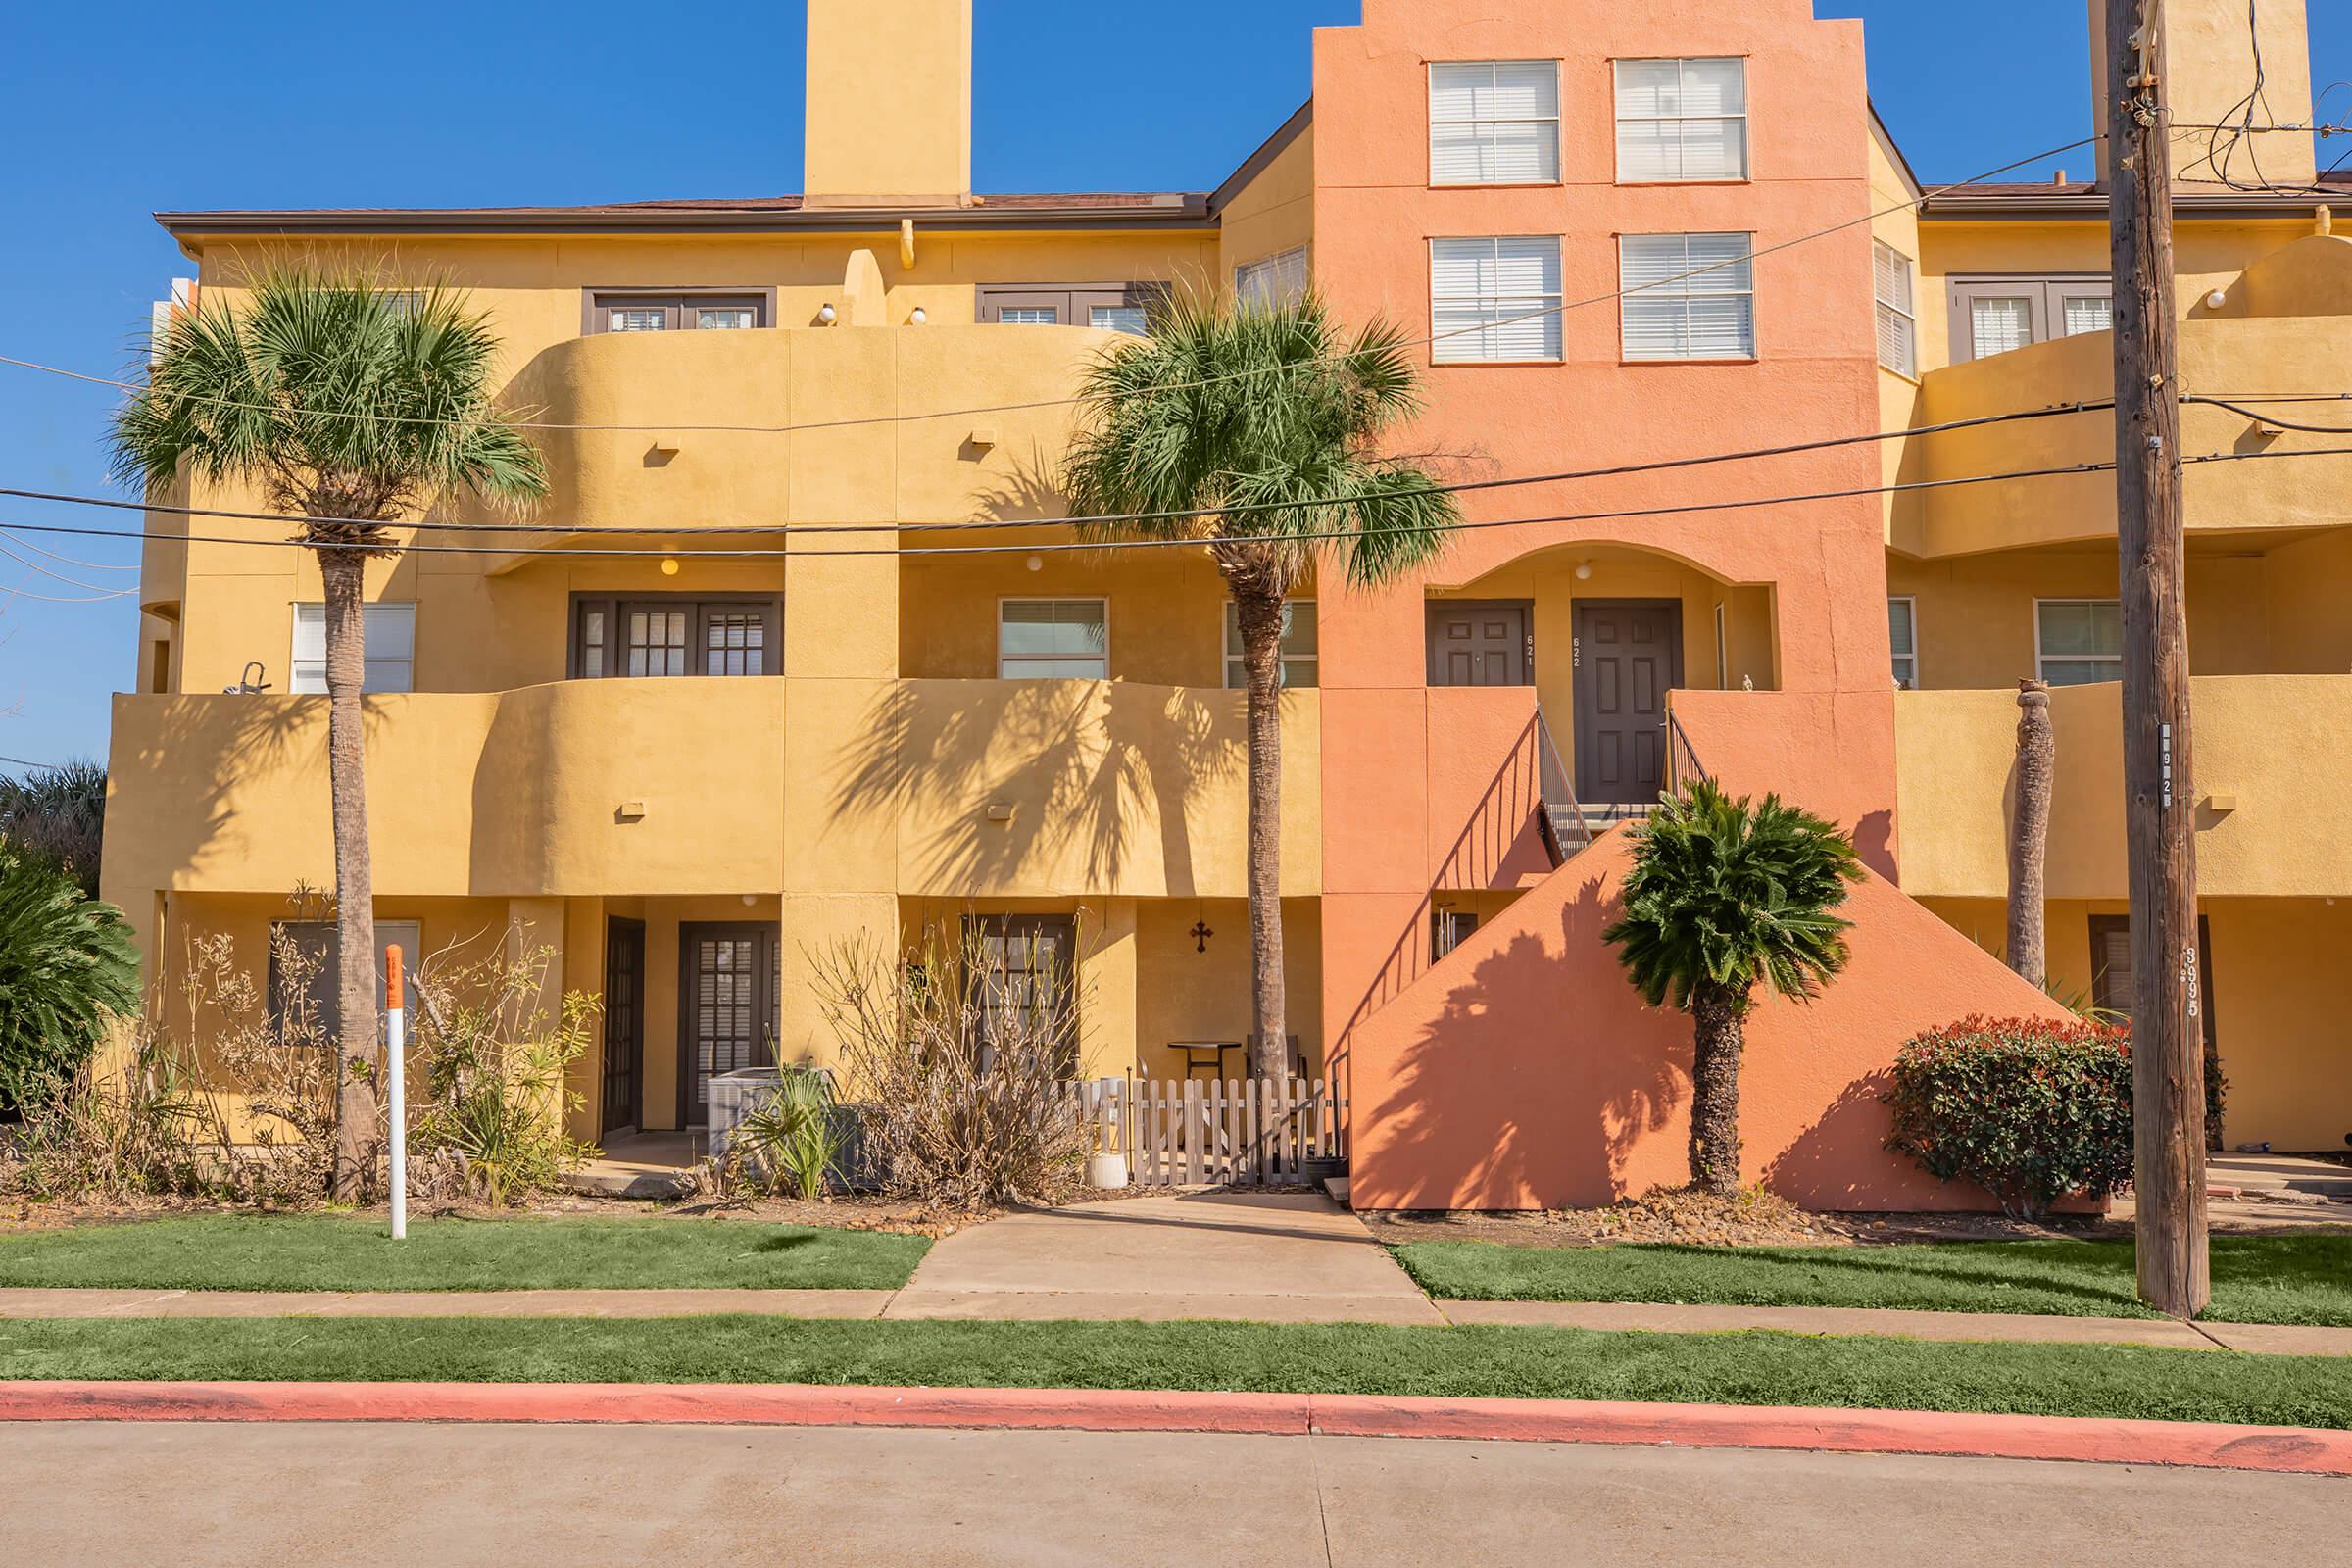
[1215, 426]
[1725, 895]
[353, 405]
[67, 966]
[56, 816]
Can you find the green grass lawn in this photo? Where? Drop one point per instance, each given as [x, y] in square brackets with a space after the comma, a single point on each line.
[2256, 1278]
[323, 1253]
[1352, 1359]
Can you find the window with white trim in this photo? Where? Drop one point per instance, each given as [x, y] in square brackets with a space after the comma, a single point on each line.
[1493, 122]
[1688, 296]
[391, 634]
[1898, 318]
[1300, 661]
[1902, 630]
[1053, 639]
[1272, 281]
[619, 312]
[2078, 642]
[1997, 314]
[1494, 299]
[1682, 120]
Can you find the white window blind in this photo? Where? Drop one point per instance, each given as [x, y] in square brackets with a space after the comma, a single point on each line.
[1272, 281]
[1682, 120]
[1688, 296]
[1899, 321]
[726, 319]
[1029, 316]
[1494, 123]
[640, 319]
[2089, 313]
[391, 633]
[1903, 626]
[1053, 639]
[1133, 320]
[1495, 298]
[2078, 641]
[1301, 663]
[1998, 325]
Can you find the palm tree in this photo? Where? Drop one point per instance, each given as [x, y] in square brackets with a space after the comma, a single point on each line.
[67, 965]
[1725, 895]
[1217, 426]
[56, 816]
[349, 405]
[2029, 833]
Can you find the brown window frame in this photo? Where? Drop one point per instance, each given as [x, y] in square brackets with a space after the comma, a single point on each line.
[615, 606]
[2102, 992]
[2046, 294]
[679, 303]
[1073, 304]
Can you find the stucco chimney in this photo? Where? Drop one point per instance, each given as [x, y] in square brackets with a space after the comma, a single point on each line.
[890, 103]
[2209, 71]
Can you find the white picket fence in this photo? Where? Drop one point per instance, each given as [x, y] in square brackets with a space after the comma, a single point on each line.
[1260, 1131]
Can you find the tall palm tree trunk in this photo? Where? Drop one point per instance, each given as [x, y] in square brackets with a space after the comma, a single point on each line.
[1719, 1036]
[1260, 616]
[2029, 833]
[344, 575]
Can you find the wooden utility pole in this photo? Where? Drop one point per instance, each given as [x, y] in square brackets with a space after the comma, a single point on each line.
[2168, 1054]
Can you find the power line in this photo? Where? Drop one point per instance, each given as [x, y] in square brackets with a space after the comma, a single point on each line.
[1110, 546]
[1108, 520]
[19, 761]
[58, 576]
[1067, 402]
[69, 560]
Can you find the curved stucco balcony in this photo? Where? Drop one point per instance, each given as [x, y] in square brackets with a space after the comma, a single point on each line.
[2273, 755]
[2285, 327]
[889, 424]
[939, 788]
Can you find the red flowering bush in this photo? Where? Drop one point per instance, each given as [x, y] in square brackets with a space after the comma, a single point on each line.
[2032, 1110]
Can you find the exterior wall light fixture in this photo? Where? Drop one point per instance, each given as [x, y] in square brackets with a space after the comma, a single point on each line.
[920, 316]
[826, 315]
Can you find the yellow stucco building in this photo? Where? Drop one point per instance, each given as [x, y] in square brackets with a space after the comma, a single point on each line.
[989, 727]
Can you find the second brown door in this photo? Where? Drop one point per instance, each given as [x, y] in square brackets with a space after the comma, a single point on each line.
[1627, 657]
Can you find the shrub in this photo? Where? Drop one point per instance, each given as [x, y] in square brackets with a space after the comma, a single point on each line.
[2032, 1110]
[794, 1134]
[959, 1086]
[67, 966]
[56, 818]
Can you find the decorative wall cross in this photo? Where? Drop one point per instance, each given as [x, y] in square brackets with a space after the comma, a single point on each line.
[1201, 933]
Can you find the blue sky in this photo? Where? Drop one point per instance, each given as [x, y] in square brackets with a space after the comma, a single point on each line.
[114, 111]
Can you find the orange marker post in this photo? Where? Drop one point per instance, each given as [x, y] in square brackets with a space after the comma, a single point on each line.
[395, 1054]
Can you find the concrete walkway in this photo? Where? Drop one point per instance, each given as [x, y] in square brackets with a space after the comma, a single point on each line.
[1275, 1257]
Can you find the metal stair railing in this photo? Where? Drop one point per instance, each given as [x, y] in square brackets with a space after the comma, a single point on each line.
[1565, 829]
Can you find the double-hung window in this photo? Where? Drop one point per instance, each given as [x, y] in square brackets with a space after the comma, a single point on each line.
[1300, 661]
[1495, 122]
[1902, 628]
[1682, 120]
[1053, 639]
[1494, 299]
[1107, 307]
[615, 312]
[1995, 314]
[1688, 296]
[666, 635]
[391, 635]
[1271, 282]
[305, 999]
[1899, 319]
[2078, 642]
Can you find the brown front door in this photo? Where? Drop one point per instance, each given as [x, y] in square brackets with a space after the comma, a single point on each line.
[624, 1023]
[1473, 643]
[1628, 655]
[1027, 979]
[727, 984]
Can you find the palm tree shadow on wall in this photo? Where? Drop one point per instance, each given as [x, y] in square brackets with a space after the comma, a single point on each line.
[234, 739]
[1083, 764]
[1481, 1100]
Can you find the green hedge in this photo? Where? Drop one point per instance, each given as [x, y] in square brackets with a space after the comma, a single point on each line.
[2034, 1111]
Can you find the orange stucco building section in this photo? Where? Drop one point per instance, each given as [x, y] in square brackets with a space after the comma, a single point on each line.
[1525, 1073]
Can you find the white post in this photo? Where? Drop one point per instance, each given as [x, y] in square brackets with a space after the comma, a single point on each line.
[396, 1042]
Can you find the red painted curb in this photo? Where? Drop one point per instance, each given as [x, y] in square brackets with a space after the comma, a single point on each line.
[2196, 1445]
